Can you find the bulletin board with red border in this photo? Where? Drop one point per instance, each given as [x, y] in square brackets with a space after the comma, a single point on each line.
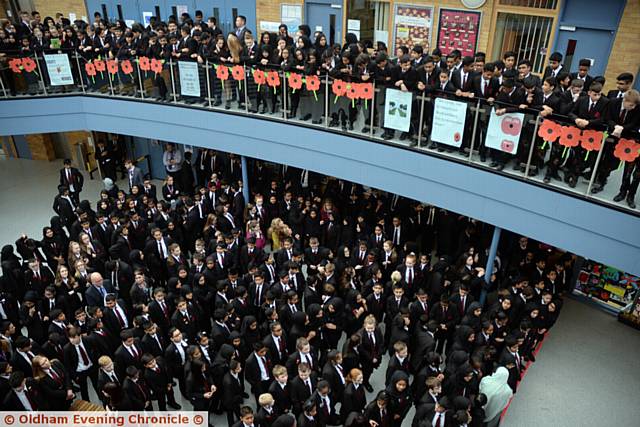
[458, 29]
[609, 286]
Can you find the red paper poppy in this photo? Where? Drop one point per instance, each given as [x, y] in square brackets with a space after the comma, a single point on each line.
[312, 83]
[259, 77]
[353, 91]
[145, 64]
[273, 79]
[237, 72]
[112, 66]
[15, 65]
[549, 131]
[156, 65]
[295, 81]
[101, 67]
[222, 72]
[627, 150]
[126, 66]
[366, 91]
[29, 64]
[570, 136]
[591, 140]
[339, 88]
[90, 69]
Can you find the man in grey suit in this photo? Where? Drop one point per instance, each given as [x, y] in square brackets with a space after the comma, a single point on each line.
[99, 289]
[134, 175]
[241, 28]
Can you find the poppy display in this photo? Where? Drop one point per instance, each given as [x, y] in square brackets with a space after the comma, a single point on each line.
[145, 64]
[295, 81]
[29, 65]
[549, 131]
[237, 72]
[591, 140]
[273, 80]
[112, 66]
[126, 67]
[627, 150]
[16, 65]
[156, 65]
[222, 72]
[259, 77]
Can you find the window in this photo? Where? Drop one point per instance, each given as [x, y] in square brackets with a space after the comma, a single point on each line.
[539, 4]
[526, 35]
[368, 19]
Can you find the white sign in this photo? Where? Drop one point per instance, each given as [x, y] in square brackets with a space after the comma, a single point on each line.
[146, 17]
[72, 17]
[353, 24]
[189, 78]
[180, 9]
[59, 69]
[504, 131]
[448, 122]
[269, 26]
[397, 110]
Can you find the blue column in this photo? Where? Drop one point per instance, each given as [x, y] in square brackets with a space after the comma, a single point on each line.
[490, 260]
[245, 179]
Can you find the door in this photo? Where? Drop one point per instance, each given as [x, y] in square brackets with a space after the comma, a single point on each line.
[326, 18]
[107, 9]
[128, 10]
[585, 43]
[216, 9]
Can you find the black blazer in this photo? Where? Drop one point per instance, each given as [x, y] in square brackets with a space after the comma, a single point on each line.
[124, 359]
[300, 392]
[157, 381]
[353, 400]
[232, 390]
[55, 392]
[370, 350]
[71, 358]
[595, 117]
[76, 179]
[11, 401]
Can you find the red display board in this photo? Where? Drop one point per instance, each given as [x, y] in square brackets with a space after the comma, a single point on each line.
[458, 29]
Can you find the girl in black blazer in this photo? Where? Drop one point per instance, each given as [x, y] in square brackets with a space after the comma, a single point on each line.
[354, 398]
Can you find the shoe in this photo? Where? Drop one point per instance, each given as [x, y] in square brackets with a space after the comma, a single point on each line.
[631, 203]
[556, 177]
[263, 111]
[253, 111]
[368, 388]
[174, 405]
[217, 103]
[500, 167]
[413, 143]
[387, 136]
[596, 189]
[350, 126]
[344, 127]
[306, 117]
[619, 197]
[333, 123]
[433, 145]
[317, 121]
[366, 129]
[227, 105]
[572, 182]
[533, 172]
[547, 179]
[403, 136]
[440, 149]
[483, 158]
[493, 164]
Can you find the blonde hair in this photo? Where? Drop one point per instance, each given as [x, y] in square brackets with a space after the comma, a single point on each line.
[279, 370]
[235, 47]
[104, 361]
[36, 365]
[265, 399]
[370, 320]
[396, 276]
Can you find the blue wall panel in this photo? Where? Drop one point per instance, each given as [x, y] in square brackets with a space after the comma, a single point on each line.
[591, 230]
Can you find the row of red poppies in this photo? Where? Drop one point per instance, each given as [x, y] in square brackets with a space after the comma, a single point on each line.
[591, 140]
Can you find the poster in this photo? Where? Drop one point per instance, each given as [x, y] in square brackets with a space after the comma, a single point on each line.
[412, 26]
[146, 18]
[607, 285]
[180, 9]
[59, 69]
[397, 110]
[270, 26]
[458, 29]
[448, 122]
[504, 131]
[189, 78]
[291, 16]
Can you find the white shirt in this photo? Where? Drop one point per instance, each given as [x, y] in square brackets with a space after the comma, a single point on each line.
[180, 351]
[264, 375]
[81, 365]
[22, 396]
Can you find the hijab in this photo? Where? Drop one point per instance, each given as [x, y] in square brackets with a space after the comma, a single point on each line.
[498, 392]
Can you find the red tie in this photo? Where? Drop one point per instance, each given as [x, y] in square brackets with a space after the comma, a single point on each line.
[135, 352]
[486, 86]
[31, 402]
[439, 421]
[120, 319]
[55, 376]
[410, 282]
[591, 107]
[623, 115]
[164, 309]
[464, 81]
[83, 353]
[281, 345]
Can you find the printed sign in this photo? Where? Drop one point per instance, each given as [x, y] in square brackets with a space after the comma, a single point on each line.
[504, 131]
[448, 122]
[458, 29]
[412, 26]
[189, 78]
[59, 69]
[397, 110]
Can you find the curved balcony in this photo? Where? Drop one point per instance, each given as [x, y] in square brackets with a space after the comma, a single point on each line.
[569, 217]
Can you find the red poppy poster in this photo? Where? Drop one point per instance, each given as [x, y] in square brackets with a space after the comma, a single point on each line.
[458, 29]
[412, 26]
[504, 131]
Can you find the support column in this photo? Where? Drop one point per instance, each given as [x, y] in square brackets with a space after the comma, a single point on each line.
[245, 179]
[493, 249]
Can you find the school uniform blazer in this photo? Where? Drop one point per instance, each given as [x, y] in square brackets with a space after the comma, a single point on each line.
[55, 392]
[477, 86]
[631, 120]
[353, 400]
[71, 358]
[138, 393]
[232, 390]
[157, 381]
[124, 359]
[77, 180]
[13, 403]
[595, 117]
[173, 360]
[150, 345]
[295, 359]
[369, 350]
[282, 396]
[300, 392]
[252, 370]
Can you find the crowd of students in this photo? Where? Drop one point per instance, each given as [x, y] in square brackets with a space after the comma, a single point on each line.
[303, 293]
[507, 84]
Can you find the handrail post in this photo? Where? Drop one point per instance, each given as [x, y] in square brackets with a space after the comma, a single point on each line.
[246, 95]
[533, 145]
[140, 79]
[595, 168]
[173, 81]
[326, 100]
[284, 96]
[206, 70]
[421, 119]
[44, 85]
[373, 101]
[475, 129]
[80, 73]
[4, 91]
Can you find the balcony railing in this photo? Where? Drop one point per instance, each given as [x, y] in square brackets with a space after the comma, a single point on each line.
[547, 151]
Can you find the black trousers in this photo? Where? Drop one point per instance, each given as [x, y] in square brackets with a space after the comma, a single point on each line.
[81, 380]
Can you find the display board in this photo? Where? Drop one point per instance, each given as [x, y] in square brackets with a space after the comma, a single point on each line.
[458, 29]
[504, 131]
[448, 122]
[412, 26]
[397, 110]
[609, 286]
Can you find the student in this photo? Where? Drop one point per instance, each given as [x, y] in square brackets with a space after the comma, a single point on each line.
[583, 72]
[233, 391]
[554, 67]
[371, 349]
